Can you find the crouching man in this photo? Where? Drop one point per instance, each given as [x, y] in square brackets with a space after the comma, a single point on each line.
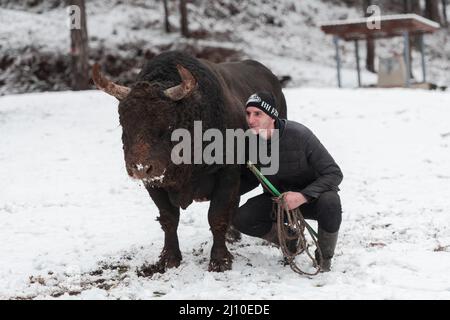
[307, 174]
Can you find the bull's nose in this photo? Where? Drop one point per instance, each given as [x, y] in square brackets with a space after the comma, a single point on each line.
[141, 171]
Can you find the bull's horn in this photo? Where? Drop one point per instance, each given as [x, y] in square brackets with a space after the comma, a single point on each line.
[186, 86]
[104, 84]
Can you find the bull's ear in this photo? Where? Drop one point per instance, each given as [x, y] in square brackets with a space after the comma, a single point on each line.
[187, 85]
[106, 85]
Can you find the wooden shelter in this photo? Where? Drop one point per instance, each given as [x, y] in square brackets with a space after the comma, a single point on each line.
[387, 26]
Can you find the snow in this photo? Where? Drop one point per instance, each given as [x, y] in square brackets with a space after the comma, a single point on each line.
[292, 44]
[159, 178]
[75, 226]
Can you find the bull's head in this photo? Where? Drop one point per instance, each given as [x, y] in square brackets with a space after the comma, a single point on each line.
[147, 117]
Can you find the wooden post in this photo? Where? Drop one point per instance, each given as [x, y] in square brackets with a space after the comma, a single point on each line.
[338, 60]
[407, 61]
[184, 19]
[79, 50]
[370, 42]
[166, 16]
[432, 10]
[422, 54]
[444, 12]
[358, 69]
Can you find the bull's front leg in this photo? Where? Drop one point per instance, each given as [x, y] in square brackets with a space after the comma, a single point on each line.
[224, 202]
[169, 217]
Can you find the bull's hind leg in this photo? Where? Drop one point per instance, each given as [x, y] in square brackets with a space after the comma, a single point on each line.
[224, 202]
[169, 217]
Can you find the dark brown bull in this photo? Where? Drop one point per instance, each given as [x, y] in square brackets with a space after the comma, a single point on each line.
[172, 91]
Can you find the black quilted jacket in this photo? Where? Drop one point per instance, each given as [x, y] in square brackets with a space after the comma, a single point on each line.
[305, 165]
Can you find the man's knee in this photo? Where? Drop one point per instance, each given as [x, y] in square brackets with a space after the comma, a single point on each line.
[331, 201]
[329, 211]
[244, 217]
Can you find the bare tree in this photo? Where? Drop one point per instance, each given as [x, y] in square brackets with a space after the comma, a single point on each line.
[406, 6]
[370, 43]
[79, 49]
[184, 19]
[412, 6]
[432, 10]
[444, 13]
[415, 7]
[166, 17]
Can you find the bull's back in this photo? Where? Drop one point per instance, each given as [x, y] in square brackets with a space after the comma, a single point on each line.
[247, 77]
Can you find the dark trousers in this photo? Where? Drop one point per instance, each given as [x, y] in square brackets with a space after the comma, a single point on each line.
[256, 216]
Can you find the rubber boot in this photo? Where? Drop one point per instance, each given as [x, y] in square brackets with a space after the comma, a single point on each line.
[327, 244]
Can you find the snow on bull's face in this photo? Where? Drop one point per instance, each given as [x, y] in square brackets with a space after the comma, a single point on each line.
[146, 122]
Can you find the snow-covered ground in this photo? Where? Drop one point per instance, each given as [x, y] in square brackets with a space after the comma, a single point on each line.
[74, 226]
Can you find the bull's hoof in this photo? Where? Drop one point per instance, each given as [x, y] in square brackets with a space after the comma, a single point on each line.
[169, 260]
[166, 261]
[221, 265]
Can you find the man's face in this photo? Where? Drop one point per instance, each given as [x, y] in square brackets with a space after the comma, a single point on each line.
[259, 122]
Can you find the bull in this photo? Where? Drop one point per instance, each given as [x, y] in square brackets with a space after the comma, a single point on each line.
[172, 91]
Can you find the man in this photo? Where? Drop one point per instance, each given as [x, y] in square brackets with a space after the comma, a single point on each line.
[307, 174]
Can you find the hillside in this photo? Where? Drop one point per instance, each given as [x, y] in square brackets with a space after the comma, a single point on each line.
[284, 35]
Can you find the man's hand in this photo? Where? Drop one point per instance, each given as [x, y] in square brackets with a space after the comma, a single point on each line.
[294, 199]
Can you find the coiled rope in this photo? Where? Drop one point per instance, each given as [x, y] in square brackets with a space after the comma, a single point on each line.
[290, 227]
[294, 230]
